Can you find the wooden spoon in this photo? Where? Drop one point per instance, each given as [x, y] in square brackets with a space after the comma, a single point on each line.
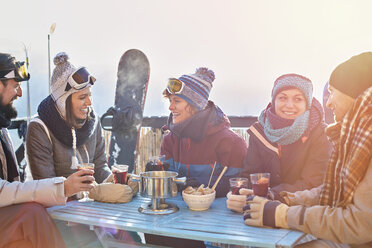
[219, 178]
[210, 178]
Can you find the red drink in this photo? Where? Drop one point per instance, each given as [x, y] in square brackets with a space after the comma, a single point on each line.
[260, 189]
[235, 189]
[120, 177]
[85, 168]
[237, 183]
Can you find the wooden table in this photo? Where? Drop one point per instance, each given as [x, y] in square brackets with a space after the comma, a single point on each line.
[218, 224]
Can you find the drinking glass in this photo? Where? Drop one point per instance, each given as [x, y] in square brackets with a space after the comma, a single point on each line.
[89, 166]
[260, 183]
[157, 163]
[237, 183]
[120, 172]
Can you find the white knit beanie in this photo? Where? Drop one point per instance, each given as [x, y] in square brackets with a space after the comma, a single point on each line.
[59, 85]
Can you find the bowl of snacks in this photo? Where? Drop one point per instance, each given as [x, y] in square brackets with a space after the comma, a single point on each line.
[198, 199]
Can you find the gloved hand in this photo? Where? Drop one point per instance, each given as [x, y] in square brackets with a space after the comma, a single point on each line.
[288, 198]
[260, 211]
[112, 193]
[237, 202]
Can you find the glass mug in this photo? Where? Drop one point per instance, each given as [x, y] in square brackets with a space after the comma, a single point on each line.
[237, 183]
[260, 183]
[157, 163]
[120, 172]
[85, 166]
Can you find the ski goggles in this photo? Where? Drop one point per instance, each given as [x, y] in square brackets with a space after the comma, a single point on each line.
[80, 79]
[175, 86]
[19, 73]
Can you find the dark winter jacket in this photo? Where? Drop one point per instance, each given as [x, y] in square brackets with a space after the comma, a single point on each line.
[293, 167]
[205, 138]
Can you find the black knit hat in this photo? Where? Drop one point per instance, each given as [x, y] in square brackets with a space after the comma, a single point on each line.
[7, 61]
[354, 75]
[10, 68]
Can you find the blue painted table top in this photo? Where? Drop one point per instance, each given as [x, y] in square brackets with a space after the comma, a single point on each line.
[217, 224]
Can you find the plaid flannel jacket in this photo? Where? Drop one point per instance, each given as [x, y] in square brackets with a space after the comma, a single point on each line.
[352, 140]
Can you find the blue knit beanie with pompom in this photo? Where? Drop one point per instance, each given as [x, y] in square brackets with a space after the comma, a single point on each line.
[197, 87]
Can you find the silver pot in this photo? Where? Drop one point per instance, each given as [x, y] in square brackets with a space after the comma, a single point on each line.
[158, 184]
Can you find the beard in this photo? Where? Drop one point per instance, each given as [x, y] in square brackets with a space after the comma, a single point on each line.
[8, 111]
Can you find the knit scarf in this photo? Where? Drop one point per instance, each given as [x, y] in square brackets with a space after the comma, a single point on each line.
[352, 141]
[285, 131]
[49, 114]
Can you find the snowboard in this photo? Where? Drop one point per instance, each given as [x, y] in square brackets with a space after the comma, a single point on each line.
[125, 117]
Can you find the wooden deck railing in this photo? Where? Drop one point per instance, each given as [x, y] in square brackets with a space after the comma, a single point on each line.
[151, 136]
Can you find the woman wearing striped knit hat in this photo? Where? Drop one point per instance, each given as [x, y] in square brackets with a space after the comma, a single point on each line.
[199, 138]
[199, 133]
[288, 141]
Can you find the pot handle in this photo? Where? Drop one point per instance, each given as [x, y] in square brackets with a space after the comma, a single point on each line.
[135, 178]
[180, 180]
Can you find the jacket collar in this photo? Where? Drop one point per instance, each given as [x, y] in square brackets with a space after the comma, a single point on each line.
[203, 123]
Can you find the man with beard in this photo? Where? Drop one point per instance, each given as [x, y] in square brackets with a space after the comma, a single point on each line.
[24, 222]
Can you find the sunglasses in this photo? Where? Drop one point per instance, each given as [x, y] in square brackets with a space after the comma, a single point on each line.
[175, 86]
[80, 79]
[19, 74]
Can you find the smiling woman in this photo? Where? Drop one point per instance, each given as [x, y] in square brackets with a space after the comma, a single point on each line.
[289, 104]
[67, 131]
[289, 140]
[78, 107]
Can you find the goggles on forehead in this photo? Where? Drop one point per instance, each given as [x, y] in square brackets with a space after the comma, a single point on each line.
[175, 86]
[80, 79]
[19, 73]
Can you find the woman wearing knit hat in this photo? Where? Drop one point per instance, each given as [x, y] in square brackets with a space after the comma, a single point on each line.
[288, 141]
[67, 131]
[199, 132]
[199, 138]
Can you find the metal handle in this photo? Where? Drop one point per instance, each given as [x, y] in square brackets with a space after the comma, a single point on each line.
[180, 180]
[135, 178]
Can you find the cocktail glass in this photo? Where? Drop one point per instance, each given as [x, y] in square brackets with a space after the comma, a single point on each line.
[86, 166]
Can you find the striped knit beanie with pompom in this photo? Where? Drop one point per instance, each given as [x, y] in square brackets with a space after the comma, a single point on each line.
[197, 87]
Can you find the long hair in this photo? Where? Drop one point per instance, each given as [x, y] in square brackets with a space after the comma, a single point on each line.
[71, 120]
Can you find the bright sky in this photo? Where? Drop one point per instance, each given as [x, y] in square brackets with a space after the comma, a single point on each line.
[248, 44]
